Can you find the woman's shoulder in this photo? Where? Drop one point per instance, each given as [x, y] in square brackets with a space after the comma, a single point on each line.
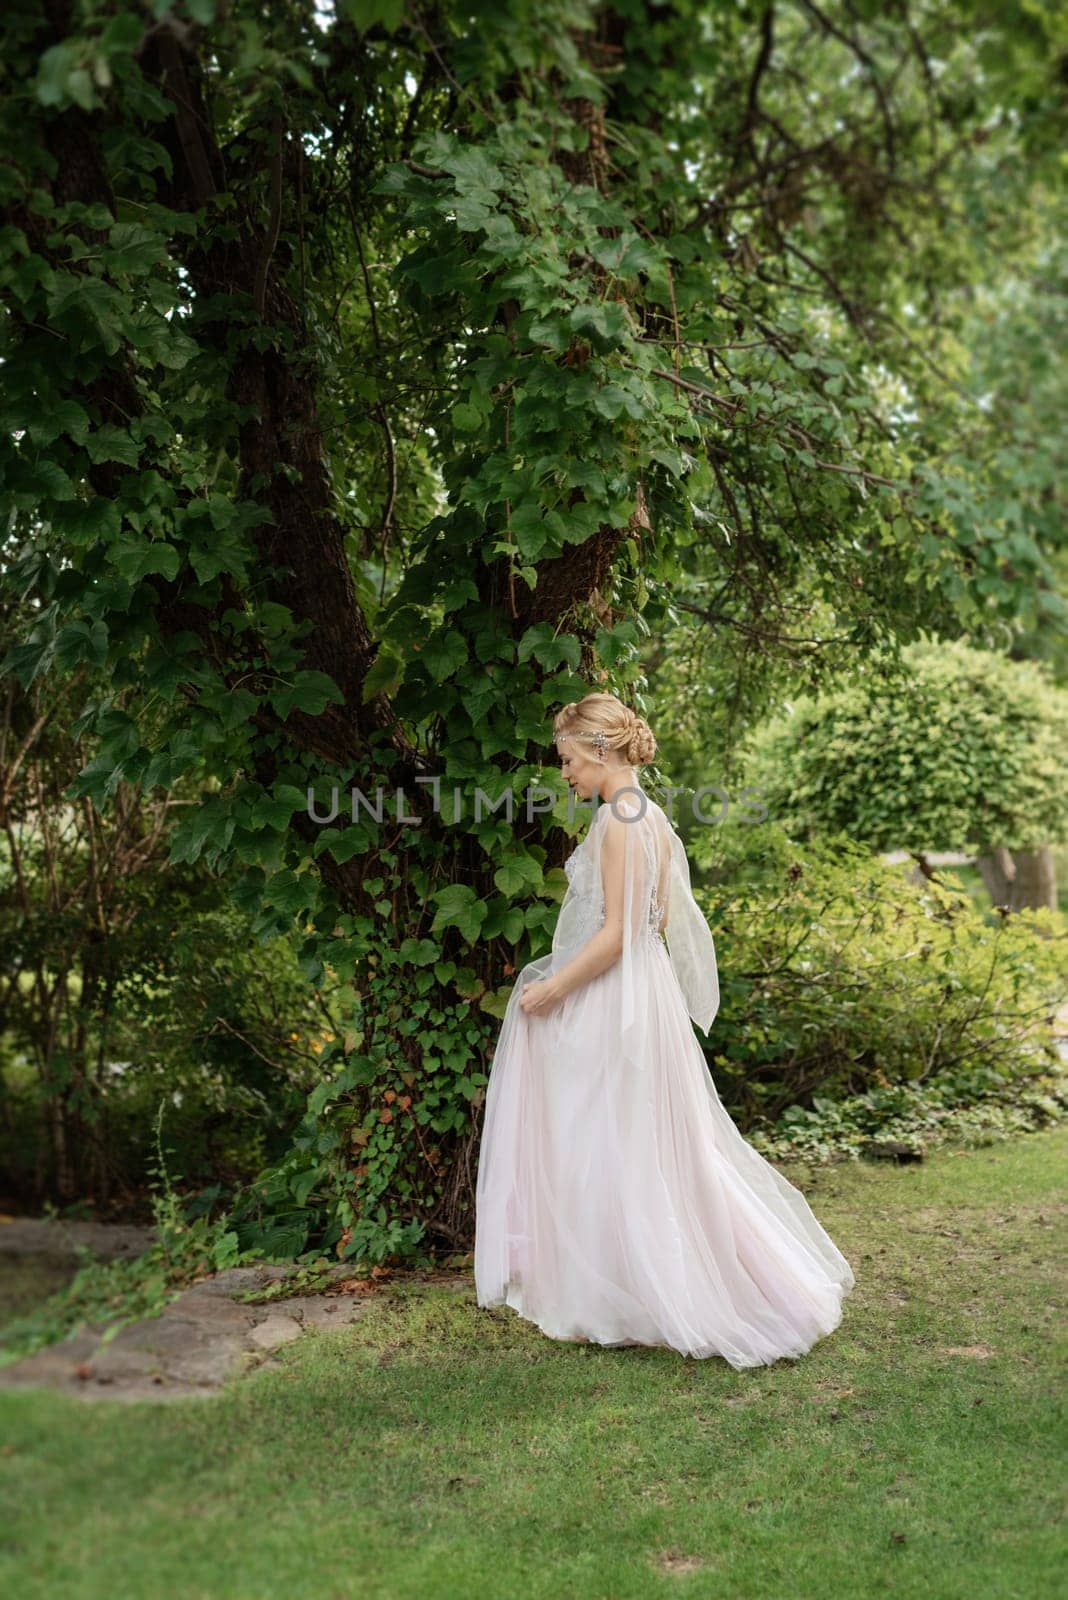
[628, 807]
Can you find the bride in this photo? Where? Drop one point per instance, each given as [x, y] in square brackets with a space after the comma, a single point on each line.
[617, 1202]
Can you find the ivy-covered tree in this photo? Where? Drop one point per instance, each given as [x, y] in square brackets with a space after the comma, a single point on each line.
[961, 749]
[373, 382]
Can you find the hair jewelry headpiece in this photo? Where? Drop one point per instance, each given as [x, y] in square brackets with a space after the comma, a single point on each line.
[599, 740]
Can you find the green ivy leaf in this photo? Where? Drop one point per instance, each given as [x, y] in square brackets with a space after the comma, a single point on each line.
[139, 560]
[81, 641]
[519, 872]
[310, 692]
[459, 907]
[367, 14]
[443, 654]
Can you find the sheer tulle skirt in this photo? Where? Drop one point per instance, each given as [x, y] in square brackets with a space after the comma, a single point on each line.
[618, 1202]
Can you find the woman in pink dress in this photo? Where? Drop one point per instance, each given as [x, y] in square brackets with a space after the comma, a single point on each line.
[617, 1201]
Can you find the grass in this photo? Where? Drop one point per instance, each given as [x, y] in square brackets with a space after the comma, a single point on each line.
[436, 1451]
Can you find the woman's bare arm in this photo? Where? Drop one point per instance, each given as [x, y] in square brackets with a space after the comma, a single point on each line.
[605, 947]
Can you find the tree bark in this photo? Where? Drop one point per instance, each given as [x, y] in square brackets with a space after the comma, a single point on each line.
[998, 871]
[1021, 879]
[1035, 884]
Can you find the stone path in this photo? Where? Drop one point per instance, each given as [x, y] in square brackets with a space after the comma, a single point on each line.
[60, 1236]
[200, 1340]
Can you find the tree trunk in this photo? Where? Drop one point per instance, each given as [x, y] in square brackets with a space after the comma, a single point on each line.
[1035, 884]
[1019, 880]
[998, 871]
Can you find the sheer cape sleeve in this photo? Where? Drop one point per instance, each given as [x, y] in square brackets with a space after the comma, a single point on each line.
[625, 850]
[644, 876]
[690, 942]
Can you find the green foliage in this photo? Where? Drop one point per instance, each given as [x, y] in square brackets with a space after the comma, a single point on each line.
[370, 1157]
[388, 383]
[125, 980]
[840, 977]
[959, 748]
[970, 1108]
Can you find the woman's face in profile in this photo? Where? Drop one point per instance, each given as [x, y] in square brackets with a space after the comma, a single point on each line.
[578, 770]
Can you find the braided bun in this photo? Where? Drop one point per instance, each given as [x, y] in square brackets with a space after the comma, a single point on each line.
[641, 745]
[605, 716]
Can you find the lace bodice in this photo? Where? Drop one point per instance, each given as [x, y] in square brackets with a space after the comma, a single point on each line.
[583, 911]
[656, 891]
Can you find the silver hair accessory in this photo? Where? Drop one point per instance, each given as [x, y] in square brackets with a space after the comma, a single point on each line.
[599, 741]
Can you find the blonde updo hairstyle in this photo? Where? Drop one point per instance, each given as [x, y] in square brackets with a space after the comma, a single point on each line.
[623, 729]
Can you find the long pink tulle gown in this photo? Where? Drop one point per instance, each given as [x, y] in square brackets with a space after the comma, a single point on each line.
[617, 1201]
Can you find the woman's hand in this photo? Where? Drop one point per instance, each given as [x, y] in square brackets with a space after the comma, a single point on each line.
[538, 998]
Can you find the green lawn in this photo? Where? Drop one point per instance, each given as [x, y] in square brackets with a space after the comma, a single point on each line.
[433, 1450]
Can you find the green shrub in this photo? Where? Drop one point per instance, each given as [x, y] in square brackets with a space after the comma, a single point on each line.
[974, 1107]
[962, 748]
[840, 976]
[227, 1031]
